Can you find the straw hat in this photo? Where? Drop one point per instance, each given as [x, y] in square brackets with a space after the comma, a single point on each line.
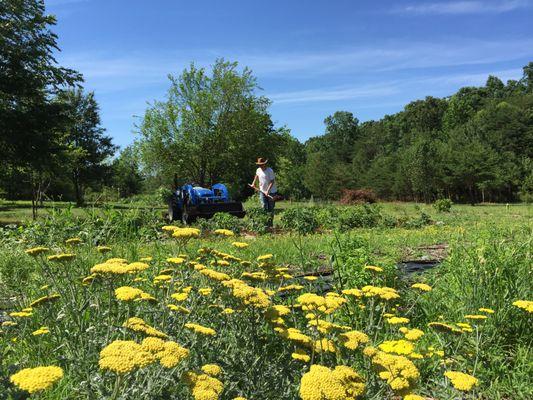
[261, 161]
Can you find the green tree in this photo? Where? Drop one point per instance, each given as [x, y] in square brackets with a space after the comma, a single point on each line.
[127, 176]
[30, 122]
[212, 128]
[86, 147]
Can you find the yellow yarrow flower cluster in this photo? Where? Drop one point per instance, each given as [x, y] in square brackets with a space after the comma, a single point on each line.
[443, 327]
[202, 330]
[526, 305]
[44, 299]
[300, 355]
[169, 353]
[461, 381]
[397, 320]
[203, 386]
[179, 309]
[215, 275]
[411, 334]
[373, 268]
[475, 316]
[397, 347]
[138, 325]
[240, 245]
[290, 288]
[352, 339]
[43, 330]
[265, 257]
[322, 383]
[422, 286]
[34, 380]
[486, 310]
[212, 369]
[324, 304]
[247, 294]
[118, 266]
[295, 335]
[103, 249]
[224, 232]
[35, 251]
[385, 293]
[176, 260]
[73, 241]
[324, 345]
[61, 257]
[399, 372]
[186, 233]
[128, 293]
[413, 397]
[124, 356]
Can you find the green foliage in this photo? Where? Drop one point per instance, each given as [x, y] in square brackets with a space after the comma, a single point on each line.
[211, 129]
[257, 220]
[221, 221]
[443, 205]
[300, 219]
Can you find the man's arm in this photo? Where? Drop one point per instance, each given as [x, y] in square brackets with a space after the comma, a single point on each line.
[272, 180]
[255, 180]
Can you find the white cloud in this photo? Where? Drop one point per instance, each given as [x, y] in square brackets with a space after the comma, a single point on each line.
[426, 85]
[463, 7]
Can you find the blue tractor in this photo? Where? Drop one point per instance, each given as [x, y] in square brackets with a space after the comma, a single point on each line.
[189, 202]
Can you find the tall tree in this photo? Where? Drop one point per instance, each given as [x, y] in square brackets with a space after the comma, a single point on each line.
[211, 128]
[86, 146]
[30, 122]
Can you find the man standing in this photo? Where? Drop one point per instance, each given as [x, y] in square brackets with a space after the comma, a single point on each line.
[267, 184]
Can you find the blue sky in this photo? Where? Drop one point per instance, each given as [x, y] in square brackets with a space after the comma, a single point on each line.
[311, 57]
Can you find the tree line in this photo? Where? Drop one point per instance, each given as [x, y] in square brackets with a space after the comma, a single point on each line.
[475, 145]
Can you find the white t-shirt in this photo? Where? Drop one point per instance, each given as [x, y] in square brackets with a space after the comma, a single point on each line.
[265, 177]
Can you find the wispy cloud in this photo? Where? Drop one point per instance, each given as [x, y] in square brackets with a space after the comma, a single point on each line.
[463, 7]
[437, 85]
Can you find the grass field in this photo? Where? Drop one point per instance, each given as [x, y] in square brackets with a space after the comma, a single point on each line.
[263, 326]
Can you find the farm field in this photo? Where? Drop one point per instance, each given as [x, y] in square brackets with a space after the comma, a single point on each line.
[118, 305]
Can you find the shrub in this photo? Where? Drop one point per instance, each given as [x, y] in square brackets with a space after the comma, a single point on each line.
[300, 219]
[363, 216]
[257, 220]
[422, 220]
[443, 205]
[358, 196]
[221, 221]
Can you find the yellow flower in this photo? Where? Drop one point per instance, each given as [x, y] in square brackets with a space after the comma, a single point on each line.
[186, 233]
[35, 251]
[61, 257]
[169, 228]
[205, 291]
[203, 386]
[180, 309]
[352, 292]
[352, 339]
[212, 369]
[322, 383]
[301, 355]
[123, 356]
[247, 294]
[411, 334]
[21, 314]
[290, 287]
[475, 316]
[41, 331]
[461, 381]
[442, 327]
[310, 278]
[162, 278]
[385, 293]
[397, 320]
[34, 380]
[215, 275]
[44, 299]
[240, 245]
[265, 257]
[486, 310]
[422, 286]
[73, 241]
[176, 260]
[399, 372]
[324, 345]
[224, 232]
[397, 346]
[103, 249]
[526, 305]
[200, 329]
[171, 354]
[146, 259]
[373, 268]
[138, 325]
